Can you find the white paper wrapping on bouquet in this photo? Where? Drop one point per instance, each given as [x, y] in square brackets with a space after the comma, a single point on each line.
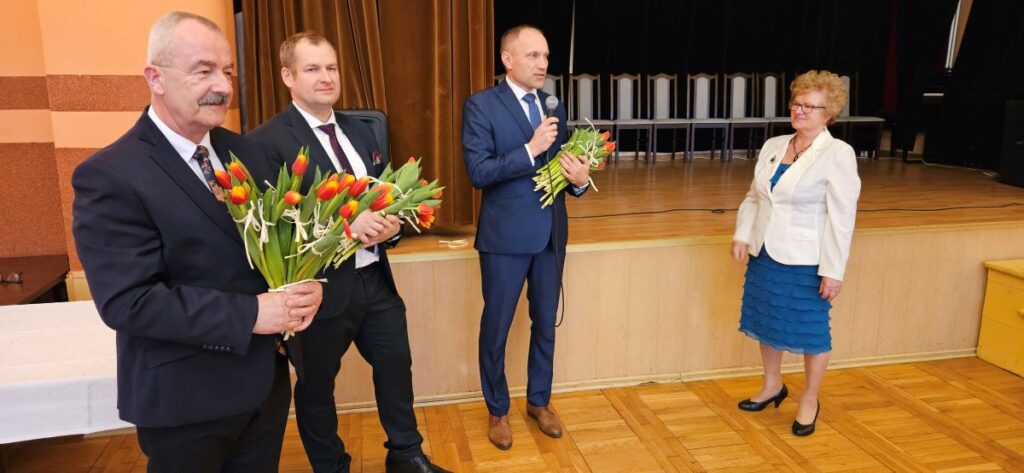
[58, 372]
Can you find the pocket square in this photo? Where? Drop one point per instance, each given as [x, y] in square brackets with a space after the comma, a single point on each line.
[376, 157]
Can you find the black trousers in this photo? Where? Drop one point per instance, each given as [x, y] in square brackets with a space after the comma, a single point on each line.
[249, 442]
[375, 321]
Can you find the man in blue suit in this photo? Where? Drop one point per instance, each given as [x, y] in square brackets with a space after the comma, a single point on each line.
[505, 141]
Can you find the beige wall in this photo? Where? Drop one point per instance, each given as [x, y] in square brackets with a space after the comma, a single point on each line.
[70, 83]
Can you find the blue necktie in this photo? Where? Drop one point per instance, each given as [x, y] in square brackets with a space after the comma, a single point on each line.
[534, 111]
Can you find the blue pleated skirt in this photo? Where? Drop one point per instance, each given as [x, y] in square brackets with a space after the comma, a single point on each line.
[782, 307]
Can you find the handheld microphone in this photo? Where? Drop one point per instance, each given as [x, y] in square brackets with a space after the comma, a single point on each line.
[550, 104]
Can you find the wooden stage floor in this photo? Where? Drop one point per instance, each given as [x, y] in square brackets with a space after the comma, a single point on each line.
[657, 195]
[949, 415]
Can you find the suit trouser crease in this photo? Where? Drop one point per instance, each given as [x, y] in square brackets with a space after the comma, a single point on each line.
[502, 277]
[375, 321]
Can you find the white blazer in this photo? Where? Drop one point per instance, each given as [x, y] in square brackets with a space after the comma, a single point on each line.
[808, 219]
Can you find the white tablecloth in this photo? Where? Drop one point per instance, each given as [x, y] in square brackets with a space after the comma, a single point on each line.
[58, 372]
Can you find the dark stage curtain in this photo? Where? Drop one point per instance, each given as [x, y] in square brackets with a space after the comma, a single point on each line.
[988, 72]
[691, 36]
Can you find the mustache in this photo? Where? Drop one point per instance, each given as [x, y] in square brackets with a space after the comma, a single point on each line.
[214, 98]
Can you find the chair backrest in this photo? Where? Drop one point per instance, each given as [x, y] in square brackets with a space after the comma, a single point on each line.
[740, 95]
[626, 96]
[584, 96]
[378, 123]
[771, 93]
[553, 86]
[498, 78]
[702, 95]
[661, 96]
[846, 80]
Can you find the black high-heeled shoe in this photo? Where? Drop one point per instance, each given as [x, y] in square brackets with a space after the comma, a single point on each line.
[801, 430]
[755, 406]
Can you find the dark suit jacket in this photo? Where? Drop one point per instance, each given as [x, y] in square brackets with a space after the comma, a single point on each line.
[494, 132]
[281, 137]
[168, 272]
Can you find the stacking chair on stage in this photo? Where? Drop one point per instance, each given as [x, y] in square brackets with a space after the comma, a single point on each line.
[553, 85]
[771, 100]
[498, 78]
[848, 124]
[626, 112]
[702, 109]
[585, 102]
[662, 96]
[740, 101]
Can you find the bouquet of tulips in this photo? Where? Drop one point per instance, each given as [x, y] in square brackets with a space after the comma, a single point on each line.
[583, 142]
[290, 237]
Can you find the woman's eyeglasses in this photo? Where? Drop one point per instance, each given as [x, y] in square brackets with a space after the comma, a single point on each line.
[12, 278]
[805, 108]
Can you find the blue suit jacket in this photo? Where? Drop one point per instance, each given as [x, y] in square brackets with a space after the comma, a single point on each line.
[167, 271]
[494, 132]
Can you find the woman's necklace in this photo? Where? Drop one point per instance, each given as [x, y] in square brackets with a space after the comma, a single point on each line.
[796, 154]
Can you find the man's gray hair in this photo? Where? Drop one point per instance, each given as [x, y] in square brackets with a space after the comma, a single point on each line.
[162, 32]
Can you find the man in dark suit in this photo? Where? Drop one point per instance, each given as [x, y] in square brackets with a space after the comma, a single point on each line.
[198, 364]
[361, 303]
[505, 142]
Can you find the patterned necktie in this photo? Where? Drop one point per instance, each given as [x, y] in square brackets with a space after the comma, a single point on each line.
[336, 146]
[531, 105]
[202, 156]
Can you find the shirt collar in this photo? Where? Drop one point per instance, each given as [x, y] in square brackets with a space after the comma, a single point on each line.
[314, 122]
[184, 146]
[520, 92]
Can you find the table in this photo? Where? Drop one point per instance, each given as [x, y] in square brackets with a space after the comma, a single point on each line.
[1002, 317]
[58, 372]
[42, 278]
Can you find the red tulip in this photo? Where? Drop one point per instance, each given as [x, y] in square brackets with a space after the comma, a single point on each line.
[300, 164]
[223, 178]
[348, 209]
[348, 230]
[238, 171]
[334, 177]
[359, 187]
[292, 198]
[426, 221]
[424, 183]
[437, 195]
[609, 146]
[382, 201]
[424, 210]
[411, 160]
[239, 195]
[328, 190]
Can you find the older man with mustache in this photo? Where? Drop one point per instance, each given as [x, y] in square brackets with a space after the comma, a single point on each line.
[200, 369]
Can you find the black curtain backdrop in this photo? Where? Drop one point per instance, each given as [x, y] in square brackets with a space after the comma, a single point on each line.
[989, 71]
[692, 36]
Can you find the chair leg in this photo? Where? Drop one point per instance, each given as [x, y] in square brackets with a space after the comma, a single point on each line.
[674, 144]
[730, 131]
[617, 142]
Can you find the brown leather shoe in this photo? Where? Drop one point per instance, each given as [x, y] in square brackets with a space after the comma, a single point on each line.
[547, 420]
[500, 432]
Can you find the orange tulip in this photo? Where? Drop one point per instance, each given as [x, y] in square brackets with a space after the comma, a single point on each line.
[223, 178]
[426, 221]
[328, 190]
[437, 195]
[292, 198]
[334, 177]
[382, 201]
[601, 165]
[359, 187]
[238, 171]
[348, 209]
[609, 146]
[300, 164]
[605, 136]
[347, 181]
[411, 160]
[423, 183]
[424, 209]
[238, 195]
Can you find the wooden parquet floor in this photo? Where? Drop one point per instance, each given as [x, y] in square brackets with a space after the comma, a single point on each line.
[950, 415]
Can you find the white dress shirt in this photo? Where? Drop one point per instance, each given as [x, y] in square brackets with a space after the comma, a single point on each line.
[520, 93]
[186, 148]
[363, 257]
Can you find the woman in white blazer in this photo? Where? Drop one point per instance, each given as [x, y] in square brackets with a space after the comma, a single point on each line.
[796, 224]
